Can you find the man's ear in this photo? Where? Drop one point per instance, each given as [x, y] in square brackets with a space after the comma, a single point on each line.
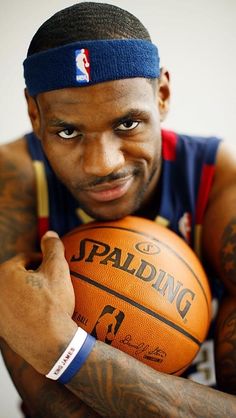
[164, 93]
[33, 112]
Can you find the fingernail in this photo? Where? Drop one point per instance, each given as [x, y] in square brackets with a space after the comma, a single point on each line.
[51, 234]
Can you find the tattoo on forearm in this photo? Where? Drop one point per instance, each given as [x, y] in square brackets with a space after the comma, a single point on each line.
[58, 402]
[125, 389]
[226, 353]
[228, 251]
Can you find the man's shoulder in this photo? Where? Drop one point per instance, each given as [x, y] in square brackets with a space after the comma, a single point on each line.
[14, 156]
[17, 176]
[16, 169]
[14, 146]
[186, 144]
[17, 198]
[199, 140]
[225, 168]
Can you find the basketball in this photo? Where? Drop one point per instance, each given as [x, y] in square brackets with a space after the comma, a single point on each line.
[140, 288]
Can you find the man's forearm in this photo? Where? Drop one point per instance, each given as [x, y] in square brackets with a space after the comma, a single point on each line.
[123, 387]
[42, 397]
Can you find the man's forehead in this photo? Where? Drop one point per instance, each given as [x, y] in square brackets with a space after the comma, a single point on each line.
[133, 89]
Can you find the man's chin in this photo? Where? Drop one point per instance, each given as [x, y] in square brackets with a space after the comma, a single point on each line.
[108, 216]
[108, 213]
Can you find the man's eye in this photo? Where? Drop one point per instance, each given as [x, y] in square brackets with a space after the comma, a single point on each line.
[68, 133]
[128, 125]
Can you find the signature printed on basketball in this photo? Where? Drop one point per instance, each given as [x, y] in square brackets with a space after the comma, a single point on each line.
[139, 348]
[157, 354]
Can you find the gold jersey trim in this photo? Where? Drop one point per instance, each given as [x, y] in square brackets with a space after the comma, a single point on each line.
[162, 221]
[84, 217]
[42, 189]
[197, 240]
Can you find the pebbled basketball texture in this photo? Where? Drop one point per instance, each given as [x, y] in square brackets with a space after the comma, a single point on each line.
[141, 289]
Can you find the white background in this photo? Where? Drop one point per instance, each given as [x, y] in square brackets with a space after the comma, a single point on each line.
[196, 39]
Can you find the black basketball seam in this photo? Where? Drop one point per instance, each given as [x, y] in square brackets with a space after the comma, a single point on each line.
[137, 305]
[182, 368]
[154, 239]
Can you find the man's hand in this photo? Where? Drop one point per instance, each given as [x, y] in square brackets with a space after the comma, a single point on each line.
[36, 305]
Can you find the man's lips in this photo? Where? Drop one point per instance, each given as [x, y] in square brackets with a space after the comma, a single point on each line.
[110, 191]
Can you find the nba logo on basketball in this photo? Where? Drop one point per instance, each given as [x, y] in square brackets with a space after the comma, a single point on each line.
[108, 324]
[82, 65]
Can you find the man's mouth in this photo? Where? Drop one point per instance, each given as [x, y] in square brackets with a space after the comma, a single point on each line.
[107, 192]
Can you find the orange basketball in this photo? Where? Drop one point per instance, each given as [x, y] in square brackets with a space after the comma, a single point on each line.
[141, 289]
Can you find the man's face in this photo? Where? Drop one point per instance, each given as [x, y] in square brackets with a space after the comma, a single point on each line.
[104, 144]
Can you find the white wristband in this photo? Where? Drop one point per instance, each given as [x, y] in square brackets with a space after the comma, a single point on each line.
[69, 354]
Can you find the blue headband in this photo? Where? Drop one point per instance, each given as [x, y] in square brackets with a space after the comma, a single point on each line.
[89, 62]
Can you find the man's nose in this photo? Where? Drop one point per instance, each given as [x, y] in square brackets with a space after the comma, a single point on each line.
[102, 155]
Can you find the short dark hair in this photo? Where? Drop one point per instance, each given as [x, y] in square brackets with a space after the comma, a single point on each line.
[87, 21]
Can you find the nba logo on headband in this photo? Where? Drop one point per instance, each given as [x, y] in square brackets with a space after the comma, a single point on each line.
[82, 65]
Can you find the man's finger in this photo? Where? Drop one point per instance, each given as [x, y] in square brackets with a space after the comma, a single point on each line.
[51, 245]
[53, 253]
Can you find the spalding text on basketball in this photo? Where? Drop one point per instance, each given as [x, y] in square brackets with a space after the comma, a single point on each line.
[164, 283]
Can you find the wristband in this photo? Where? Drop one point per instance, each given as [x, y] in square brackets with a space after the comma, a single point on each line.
[79, 360]
[68, 355]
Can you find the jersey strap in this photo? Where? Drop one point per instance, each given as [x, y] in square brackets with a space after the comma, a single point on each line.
[206, 181]
[188, 167]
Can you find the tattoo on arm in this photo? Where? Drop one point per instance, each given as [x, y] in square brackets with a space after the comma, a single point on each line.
[43, 397]
[34, 281]
[228, 252]
[58, 402]
[17, 210]
[120, 386]
[226, 350]
[225, 344]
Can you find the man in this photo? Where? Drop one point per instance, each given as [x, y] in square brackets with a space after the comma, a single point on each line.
[98, 151]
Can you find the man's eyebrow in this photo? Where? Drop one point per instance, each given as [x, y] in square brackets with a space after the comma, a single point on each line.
[60, 123]
[131, 114]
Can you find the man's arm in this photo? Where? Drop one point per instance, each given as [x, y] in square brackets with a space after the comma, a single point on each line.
[219, 245]
[117, 385]
[226, 346]
[18, 232]
[43, 398]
